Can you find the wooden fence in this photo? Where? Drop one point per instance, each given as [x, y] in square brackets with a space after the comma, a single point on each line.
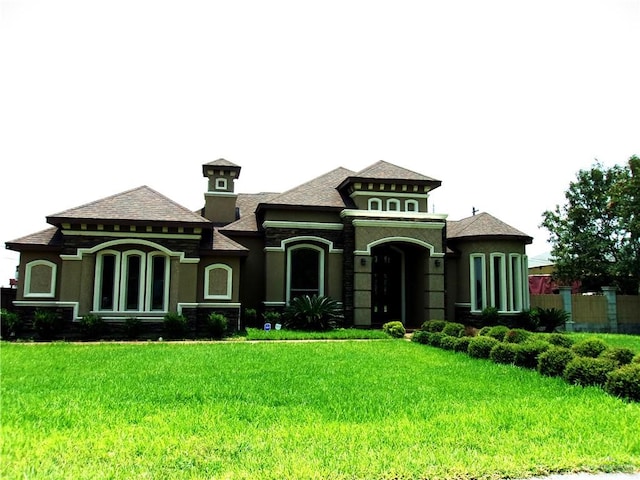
[595, 313]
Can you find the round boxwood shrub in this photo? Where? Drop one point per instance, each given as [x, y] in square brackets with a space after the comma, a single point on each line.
[498, 332]
[434, 325]
[590, 347]
[47, 324]
[216, 325]
[421, 336]
[503, 353]
[453, 329]
[553, 362]
[394, 329]
[175, 325]
[620, 355]
[462, 344]
[624, 382]
[448, 342]
[636, 359]
[435, 339]
[588, 371]
[517, 335]
[480, 347]
[527, 353]
[560, 340]
[484, 330]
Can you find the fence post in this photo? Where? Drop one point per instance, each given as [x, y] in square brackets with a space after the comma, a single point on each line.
[565, 293]
[612, 308]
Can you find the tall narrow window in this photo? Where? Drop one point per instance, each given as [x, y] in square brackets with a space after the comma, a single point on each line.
[306, 272]
[478, 282]
[158, 281]
[515, 267]
[132, 277]
[107, 282]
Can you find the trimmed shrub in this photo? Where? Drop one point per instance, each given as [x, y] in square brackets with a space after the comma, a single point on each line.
[624, 382]
[490, 316]
[92, 326]
[421, 336]
[453, 329]
[590, 347]
[517, 335]
[448, 342]
[435, 339]
[484, 330]
[250, 317]
[503, 353]
[549, 319]
[588, 371]
[462, 344]
[636, 359]
[434, 325]
[217, 325]
[11, 324]
[394, 329]
[175, 325]
[480, 347]
[527, 353]
[527, 319]
[620, 355]
[272, 317]
[553, 362]
[132, 327]
[47, 324]
[560, 340]
[498, 332]
[315, 312]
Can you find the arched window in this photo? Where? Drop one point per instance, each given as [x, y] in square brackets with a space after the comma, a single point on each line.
[40, 279]
[411, 205]
[375, 204]
[305, 272]
[478, 282]
[218, 282]
[393, 205]
[131, 281]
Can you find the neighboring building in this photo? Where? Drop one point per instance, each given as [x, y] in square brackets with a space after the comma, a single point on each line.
[363, 238]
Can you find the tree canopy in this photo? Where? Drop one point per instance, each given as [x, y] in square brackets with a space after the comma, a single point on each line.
[595, 235]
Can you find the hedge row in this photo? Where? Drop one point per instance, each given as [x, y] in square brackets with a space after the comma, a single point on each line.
[589, 362]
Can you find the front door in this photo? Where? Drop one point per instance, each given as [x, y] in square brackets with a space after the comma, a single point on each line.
[386, 285]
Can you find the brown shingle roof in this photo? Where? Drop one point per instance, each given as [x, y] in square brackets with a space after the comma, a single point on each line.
[50, 237]
[141, 204]
[483, 225]
[319, 192]
[222, 162]
[382, 170]
[221, 243]
[247, 204]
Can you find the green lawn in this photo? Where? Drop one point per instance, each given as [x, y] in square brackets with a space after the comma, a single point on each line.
[301, 410]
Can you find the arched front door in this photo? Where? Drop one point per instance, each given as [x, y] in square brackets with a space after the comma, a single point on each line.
[386, 285]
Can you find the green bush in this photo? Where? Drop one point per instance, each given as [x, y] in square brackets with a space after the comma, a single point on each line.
[92, 326]
[517, 335]
[498, 332]
[132, 327]
[394, 329]
[560, 340]
[216, 324]
[421, 336]
[453, 329]
[588, 371]
[435, 339]
[620, 355]
[272, 317]
[624, 382]
[315, 312]
[636, 359]
[503, 353]
[47, 324]
[250, 317]
[527, 353]
[553, 362]
[11, 324]
[526, 319]
[448, 342]
[480, 347]
[434, 325]
[484, 330]
[490, 316]
[590, 347]
[549, 319]
[462, 344]
[175, 325]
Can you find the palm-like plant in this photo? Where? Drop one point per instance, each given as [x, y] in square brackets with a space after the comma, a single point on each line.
[315, 312]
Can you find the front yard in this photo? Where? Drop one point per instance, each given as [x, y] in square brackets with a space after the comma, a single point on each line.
[303, 410]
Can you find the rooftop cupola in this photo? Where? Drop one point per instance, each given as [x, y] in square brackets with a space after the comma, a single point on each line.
[220, 199]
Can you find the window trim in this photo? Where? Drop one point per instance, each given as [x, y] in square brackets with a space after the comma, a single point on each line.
[221, 184]
[321, 267]
[229, 286]
[370, 203]
[501, 289]
[27, 284]
[516, 285]
[149, 290]
[472, 278]
[124, 286]
[413, 203]
[395, 202]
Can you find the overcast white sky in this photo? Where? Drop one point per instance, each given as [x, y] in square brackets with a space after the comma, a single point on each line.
[504, 101]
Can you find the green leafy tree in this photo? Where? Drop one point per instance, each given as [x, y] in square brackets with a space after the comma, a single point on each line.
[595, 234]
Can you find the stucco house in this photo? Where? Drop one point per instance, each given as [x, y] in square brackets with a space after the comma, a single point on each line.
[363, 238]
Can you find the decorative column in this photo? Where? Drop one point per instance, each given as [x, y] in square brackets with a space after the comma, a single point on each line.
[565, 293]
[612, 308]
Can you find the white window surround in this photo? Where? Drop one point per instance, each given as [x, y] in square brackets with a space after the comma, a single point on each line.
[374, 204]
[393, 205]
[321, 252]
[516, 286]
[221, 183]
[229, 284]
[483, 281]
[411, 206]
[498, 288]
[120, 275]
[52, 282]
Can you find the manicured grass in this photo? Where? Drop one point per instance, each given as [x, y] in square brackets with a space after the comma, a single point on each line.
[303, 410]
[339, 334]
[613, 339]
